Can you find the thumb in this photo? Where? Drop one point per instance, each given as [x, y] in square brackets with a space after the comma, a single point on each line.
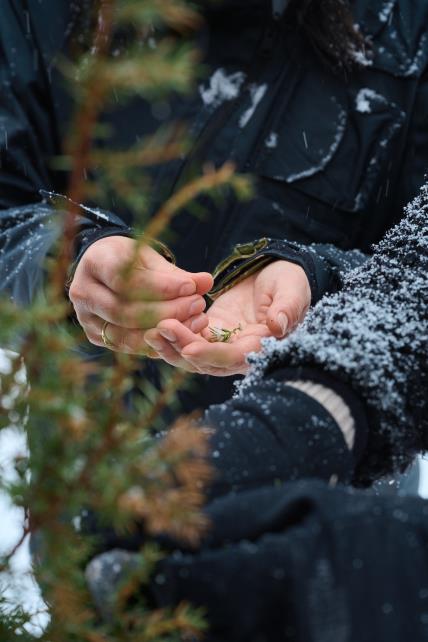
[284, 314]
[153, 260]
[203, 280]
[285, 290]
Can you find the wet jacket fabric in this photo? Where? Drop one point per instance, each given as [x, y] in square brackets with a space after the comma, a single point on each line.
[288, 555]
[336, 157]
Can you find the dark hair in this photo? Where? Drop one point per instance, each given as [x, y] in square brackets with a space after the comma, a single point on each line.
[330, 28]
[327, 24]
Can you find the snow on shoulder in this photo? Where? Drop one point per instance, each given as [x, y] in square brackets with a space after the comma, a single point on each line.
[365, 98]
[221, 87]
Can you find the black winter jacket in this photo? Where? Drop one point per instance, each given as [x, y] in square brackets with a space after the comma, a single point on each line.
[335, 157]
[287, 559]
[373, 336]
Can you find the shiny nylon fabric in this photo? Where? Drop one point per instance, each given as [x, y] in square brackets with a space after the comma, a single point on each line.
[27, 235]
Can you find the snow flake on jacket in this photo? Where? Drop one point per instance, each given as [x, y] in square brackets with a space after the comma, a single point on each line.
[373, 335]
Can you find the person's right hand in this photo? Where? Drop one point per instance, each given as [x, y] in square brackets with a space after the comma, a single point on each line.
[155, 290]
[271, 302]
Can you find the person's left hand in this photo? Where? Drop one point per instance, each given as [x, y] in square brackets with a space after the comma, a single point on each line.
[269, 303]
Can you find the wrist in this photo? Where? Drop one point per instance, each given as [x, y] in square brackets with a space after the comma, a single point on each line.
[249, 258]
[333, 403]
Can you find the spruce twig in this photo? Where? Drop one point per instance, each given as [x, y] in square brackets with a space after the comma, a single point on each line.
[81, 142]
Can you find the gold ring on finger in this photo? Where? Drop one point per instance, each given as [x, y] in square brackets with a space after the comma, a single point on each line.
[104, 337]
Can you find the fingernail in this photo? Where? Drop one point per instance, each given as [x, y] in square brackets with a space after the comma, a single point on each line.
[168, 335]
[187, 289]
[197, 307]
[156, 345]
[283, 322]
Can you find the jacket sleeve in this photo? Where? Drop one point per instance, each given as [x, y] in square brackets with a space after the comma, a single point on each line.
[301, 562]
[29, 140]
[373, 337]
[27, 236]
[304, 563]
[325, 265]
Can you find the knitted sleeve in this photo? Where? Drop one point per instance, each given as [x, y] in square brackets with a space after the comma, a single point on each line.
[373, 336]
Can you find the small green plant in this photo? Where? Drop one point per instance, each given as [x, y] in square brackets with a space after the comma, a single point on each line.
[88, 448]
[223, 335]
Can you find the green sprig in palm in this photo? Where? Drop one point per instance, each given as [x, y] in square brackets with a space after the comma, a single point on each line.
[269, 303]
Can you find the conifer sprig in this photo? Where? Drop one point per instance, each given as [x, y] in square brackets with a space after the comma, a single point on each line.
[92, 454]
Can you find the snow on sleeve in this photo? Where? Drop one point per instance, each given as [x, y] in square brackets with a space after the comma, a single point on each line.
[53, 197]
[373, 335]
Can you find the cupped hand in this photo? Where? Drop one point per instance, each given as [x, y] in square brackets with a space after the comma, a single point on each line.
[135, 299]
[271, 302]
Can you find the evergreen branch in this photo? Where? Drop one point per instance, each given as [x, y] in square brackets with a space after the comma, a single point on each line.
[143, 156]
[189, 192]
[170, 67]
[88, 449]
[80, 145]
[110, 435]
[177, 14]
[177, 379]
[7, 558]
